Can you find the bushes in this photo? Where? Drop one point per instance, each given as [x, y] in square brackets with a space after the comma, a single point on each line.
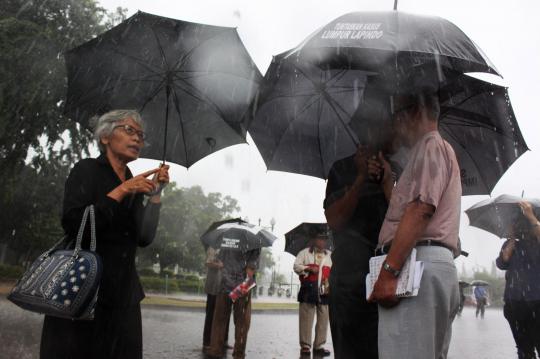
[8, 272]
[147, 272]
[156, 284]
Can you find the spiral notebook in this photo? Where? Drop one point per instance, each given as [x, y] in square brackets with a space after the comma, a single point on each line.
[408, 280]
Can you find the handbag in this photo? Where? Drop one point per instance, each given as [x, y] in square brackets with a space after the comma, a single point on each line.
[63, 282]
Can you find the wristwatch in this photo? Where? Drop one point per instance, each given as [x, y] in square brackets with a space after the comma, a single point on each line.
[388, 268]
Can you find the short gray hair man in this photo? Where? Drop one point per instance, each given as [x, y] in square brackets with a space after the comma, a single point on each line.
[104, 125]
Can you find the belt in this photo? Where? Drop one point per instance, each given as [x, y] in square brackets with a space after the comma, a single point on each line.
[386, 248]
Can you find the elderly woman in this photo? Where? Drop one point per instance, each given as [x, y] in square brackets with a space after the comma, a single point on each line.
[123, 222]
[520, 257]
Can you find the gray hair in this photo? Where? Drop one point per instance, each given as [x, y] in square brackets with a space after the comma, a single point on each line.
[104, 125]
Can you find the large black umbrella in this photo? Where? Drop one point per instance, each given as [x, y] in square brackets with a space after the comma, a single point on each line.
[498, 215]
[301, 236]
[321, 99]
[305, 118]
[237, 235]
[392, 42]
[477, 119]
[192, 83]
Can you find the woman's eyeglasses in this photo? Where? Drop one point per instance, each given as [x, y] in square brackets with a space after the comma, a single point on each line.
[130, 131]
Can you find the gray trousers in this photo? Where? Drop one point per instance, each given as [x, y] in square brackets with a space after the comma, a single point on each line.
[307, 314]
[421, 327]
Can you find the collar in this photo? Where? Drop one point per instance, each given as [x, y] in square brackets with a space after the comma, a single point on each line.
[104, 161]
[312, 250]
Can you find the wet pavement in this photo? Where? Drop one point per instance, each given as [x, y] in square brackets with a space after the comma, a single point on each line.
[174, 333]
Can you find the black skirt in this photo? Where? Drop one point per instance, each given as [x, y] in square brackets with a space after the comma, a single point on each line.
[115, 333]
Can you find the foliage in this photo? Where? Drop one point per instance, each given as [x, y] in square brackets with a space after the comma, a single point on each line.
[10, 272]
[186, 213]
[156, 284]
[266, 261]
[32, 222]
[33, 130]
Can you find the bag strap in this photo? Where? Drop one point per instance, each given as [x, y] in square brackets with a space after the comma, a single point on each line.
[88, 210]
[55, 246]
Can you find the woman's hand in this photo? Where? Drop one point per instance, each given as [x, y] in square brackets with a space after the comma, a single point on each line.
[162, 176]
[161, 179]
[137, 184]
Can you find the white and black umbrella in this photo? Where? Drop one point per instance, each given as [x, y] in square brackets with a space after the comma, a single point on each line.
[498, 215]
[237, 235]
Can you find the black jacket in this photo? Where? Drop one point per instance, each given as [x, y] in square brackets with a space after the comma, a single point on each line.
[120, 227]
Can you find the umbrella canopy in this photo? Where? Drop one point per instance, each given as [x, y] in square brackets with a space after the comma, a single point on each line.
[464, 284]
[306, 118]
[301, 236]
[479, 283]
[237, 235]
[390, 42]
[302, 115]
[334, 91]
[498, 215]
[191, 82]
[477, 119]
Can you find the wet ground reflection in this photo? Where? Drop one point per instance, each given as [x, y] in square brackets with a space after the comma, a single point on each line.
[178, 334]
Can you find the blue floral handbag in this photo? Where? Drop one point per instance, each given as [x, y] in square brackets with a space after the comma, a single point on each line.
[63, 283]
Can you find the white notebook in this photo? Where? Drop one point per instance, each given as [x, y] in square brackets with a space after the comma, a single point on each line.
[408, 280]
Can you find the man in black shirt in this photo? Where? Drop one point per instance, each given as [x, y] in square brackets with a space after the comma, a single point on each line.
[357, 194]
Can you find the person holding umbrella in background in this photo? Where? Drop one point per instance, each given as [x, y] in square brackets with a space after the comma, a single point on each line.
[313, 265]
[481, 296]
[212, 287]
[520, 257]
[239, 245]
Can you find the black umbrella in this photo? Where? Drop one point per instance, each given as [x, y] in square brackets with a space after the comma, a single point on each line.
[192, 83]
[300, 237]
[302, 115]
[498, 215]
[215, 225]
[392, 42]
[463, 284]
[306, 118]
[477, 119]
[237, 235]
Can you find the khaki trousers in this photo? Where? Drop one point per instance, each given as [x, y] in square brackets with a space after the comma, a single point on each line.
[242, 321]
[306, 317]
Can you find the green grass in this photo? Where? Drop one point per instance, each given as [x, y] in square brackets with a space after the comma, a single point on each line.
[164, 301]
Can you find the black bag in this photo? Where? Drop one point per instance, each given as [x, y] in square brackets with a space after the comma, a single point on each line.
[63, 283]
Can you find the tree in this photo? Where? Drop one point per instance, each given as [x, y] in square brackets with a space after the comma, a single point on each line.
[33, 130]
[34, 35]
[186, 213]
[266, 261]
[31, 222]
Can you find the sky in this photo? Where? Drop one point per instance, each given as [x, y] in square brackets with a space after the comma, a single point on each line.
[507, 31]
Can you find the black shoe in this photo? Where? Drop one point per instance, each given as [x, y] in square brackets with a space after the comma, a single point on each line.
[305, 352]
[321, 352]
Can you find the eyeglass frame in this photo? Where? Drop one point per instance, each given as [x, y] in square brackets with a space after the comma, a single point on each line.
[130, 131]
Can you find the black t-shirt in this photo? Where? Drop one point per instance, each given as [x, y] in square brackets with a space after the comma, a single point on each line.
[355, 244]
